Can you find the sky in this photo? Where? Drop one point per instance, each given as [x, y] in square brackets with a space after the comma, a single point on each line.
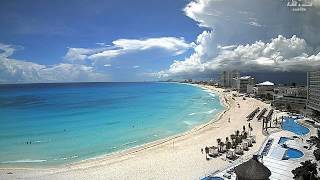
[146, 40]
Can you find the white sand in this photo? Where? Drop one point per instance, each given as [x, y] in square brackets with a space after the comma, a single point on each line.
[172, 158]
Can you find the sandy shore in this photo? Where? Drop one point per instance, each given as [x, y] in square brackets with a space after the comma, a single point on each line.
[172, 158]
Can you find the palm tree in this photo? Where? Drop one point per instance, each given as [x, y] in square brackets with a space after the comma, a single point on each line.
[238, 140]
[289, 108]
[221, 145]
[234, 144]
[233, 137]
[228, 143]
[206, 149]
[218, 142]
[308, 170]
[245, 135]
[316, 154]
[237, 132]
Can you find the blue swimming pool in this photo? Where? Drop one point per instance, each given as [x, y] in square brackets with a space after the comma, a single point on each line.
[290, 124]
[282, 140]
[292, 153]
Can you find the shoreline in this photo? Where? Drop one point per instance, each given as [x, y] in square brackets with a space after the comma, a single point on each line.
[142, 147]
[155, 159]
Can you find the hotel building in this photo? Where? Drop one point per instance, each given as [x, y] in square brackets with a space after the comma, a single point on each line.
[242, 83]
[290, 98]
[227, 78]
[264, 90]
[313, 98]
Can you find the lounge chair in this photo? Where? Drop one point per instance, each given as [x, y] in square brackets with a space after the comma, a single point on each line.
[227, 175]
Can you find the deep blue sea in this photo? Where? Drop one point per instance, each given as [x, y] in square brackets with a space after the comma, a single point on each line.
[55, 124]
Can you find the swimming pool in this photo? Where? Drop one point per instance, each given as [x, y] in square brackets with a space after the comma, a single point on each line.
[292, 153]
[290, 124]
[282, 140]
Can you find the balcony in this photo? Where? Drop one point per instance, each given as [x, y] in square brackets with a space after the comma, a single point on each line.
[313, 106]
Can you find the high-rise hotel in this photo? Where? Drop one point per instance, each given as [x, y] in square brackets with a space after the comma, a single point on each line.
[313, 101]
[227, 78]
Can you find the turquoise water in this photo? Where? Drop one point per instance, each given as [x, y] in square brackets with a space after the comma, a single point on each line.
[282, 140]
[54, 124]
[290, 152]
[293, 153]
[290, 124]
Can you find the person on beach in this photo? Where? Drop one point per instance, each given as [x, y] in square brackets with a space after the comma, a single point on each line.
[207, 151]
[229, 120]
[201, 150]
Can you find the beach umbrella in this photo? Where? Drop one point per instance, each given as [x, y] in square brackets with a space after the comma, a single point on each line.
[245, 145]
[213, 151]
[252, 170]
[249, 140]
[253, 138]
[239, 149]
[230, 154]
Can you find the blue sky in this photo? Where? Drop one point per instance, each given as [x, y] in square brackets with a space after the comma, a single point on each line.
[122, 40]
[46, 28]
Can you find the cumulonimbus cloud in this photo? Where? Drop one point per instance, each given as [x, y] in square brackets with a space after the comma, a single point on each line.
[244, 35]
[280, 54]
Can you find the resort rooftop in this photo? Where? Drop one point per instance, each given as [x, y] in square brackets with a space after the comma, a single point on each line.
[266, 83]
[245, 77]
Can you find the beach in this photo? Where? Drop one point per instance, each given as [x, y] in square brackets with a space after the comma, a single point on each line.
[177, 157]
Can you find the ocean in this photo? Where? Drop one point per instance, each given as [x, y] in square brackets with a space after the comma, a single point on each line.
[60, 123]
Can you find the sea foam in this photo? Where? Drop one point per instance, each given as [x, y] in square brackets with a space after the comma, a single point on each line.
[24, 161]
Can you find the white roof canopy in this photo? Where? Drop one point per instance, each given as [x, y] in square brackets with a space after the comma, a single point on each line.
[266, 83]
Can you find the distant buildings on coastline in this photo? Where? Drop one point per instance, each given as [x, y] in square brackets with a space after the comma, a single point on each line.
[282, 97]
[293, 98]
[232, 79]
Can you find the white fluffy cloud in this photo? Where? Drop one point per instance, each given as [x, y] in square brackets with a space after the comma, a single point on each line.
[18, 71]
[173, 45]
[107, 65]
[281, 54]
[239, 38]
[6, 50]
[79, 55]
[79, 62]
[193, 64]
